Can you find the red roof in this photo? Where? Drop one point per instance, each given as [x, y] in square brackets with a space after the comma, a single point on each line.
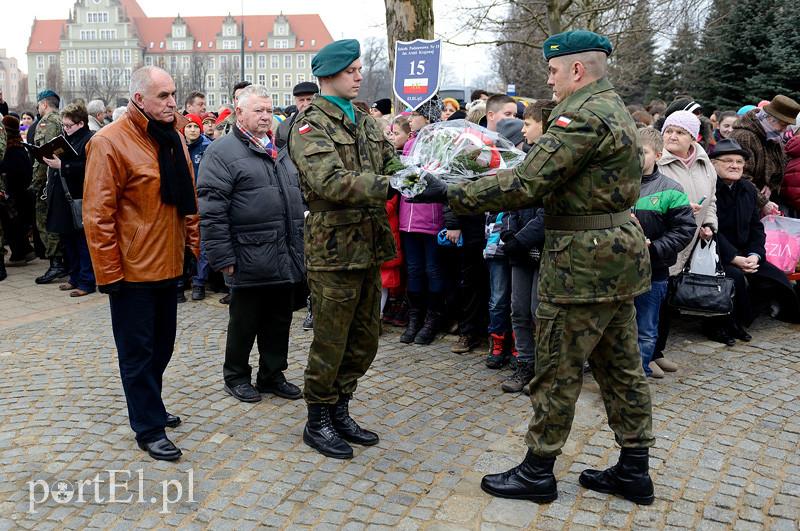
[132, 8]
[256, 28]
[46, 36]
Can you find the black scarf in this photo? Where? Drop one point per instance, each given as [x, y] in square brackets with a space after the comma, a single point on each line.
[176, 181]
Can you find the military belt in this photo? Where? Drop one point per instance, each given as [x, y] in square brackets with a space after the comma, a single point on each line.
[320, 205]
[598, 221]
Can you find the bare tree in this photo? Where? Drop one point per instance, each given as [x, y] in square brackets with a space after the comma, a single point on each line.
[108, 86]
[407, 20]
[198, 71]
[23, 103]
[54, 80]
[377, 77]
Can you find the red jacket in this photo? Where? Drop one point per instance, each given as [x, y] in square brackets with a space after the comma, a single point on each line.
[391, 271]
[790, 189]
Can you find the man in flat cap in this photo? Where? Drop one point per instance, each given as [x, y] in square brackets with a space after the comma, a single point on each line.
[586, 171]
[47, 128]
[343, 159]
[303, 94]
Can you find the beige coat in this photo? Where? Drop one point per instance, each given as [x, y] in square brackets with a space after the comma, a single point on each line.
[698, 181]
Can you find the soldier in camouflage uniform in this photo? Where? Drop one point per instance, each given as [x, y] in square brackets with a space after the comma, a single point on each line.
[3, 141]
[343, 158]
[48, 128]
[586, 171]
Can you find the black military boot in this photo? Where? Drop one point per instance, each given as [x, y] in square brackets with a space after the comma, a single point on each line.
[416, 312]
[629, 478]
[320, 434]
[532, 480]
[348, 428]
[3, 273]
[55, 271]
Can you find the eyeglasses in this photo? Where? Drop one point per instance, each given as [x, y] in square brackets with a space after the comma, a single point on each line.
[731, 162]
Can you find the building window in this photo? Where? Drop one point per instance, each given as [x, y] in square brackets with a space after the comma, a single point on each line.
[88, 35]
[92, 57]
[229, 30]
[301, 78]
[40, 62]
[287, 62]
[287, 99]
[71, 78]
[313, 42]
[237, 62]
[311, 58]
[82, 77]
[248, 78]
[275, 98]
[262, 79]
[108, 35]
[248, 62]
[212, 99]
[301, 61]
[126, 57]
[70, 57]
[212, 63]
[179, 31]
[211, 80]
[281, 44]
[126, 79]
[223, 99]
[274, 61]
[178, 45]
[229, 44]
[173, 63]
[148, 61]
[97, 17]
[274, 81]
[302, 42]
[262, 62]
[103, 56]
[281, 29]
[287, 80]
[52, 59]
[223, 81]
[185, 62]
[115, 56]
[223, 62]
[39, 81]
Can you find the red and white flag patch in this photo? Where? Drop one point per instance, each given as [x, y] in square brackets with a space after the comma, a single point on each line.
[303, 129]
[563, 121]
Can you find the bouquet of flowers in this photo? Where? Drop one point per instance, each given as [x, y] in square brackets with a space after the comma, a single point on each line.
[454, 151]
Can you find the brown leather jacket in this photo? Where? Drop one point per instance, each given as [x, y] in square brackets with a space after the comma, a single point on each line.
[132, 234]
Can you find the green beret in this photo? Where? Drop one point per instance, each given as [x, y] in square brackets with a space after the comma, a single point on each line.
[335, 57]
[571, 42]
[47, 94]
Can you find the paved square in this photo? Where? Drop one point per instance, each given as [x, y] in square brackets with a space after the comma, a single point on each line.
[726, 457]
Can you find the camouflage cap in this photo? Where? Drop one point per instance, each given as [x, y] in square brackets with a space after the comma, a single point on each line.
[335, 57]
[572, 42]
[47, 94]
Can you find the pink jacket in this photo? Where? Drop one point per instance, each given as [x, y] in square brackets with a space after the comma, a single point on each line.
[419, 217]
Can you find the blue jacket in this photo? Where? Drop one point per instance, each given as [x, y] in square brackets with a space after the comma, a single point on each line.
[196, 151]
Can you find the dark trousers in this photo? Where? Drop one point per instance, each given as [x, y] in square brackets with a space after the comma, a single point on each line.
[262, 314]
[472, 292]
[143, 319]
[81, 274]
[16, 234]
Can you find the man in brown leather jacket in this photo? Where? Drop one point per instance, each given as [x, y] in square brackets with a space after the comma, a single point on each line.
[140, 213]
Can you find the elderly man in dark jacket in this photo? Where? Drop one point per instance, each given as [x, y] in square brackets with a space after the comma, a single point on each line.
[251, 213]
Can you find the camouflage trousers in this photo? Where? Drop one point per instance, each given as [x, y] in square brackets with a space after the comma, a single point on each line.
[346, 329]
[605, 334]
[50, 240]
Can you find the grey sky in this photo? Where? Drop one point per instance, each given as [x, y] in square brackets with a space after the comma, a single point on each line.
[344, 19]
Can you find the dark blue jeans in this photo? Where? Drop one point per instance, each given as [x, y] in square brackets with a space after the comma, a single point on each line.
[499, 295]
[648, 306]
[81, 274]
[201, 271]
[143, 318]
[422, 260]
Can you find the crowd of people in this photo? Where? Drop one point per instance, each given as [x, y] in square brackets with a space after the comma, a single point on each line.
[284, 208]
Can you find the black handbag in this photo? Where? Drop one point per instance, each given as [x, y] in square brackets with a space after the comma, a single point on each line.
[706, 295]
[75, 205]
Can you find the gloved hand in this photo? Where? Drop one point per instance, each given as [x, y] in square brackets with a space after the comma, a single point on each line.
[512, 248]
[435, 191]
[111, 289]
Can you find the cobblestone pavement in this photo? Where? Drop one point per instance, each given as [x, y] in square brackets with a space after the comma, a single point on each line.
[726, 456]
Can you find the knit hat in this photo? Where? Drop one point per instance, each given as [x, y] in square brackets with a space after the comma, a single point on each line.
[685, 120]
[783, 108]
[196, 119]
[431, 110]
[683, 104]
[745, 109]
[11, 125]
[384, 106]
[221, 118]
[511, 130]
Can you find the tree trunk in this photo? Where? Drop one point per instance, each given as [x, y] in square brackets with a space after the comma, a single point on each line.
[407, 20]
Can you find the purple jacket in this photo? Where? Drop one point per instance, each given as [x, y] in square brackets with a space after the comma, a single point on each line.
[419, 217]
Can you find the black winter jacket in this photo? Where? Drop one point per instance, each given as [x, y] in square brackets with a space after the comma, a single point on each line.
[528, 228]
[251, 213]
[741, 232]
[73, 169]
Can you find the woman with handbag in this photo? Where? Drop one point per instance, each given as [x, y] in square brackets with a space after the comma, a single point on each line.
[758, 283]
[65, 194]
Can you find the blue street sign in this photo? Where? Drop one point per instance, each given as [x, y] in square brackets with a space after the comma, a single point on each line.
[416, 71]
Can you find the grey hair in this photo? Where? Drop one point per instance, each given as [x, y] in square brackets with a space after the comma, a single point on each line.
[141, 79]
[119, 111]
[95, 107]
[258, 91]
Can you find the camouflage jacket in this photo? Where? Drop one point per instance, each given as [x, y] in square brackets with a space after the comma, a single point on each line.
[47, 129]
[588, 162]
[342, 167]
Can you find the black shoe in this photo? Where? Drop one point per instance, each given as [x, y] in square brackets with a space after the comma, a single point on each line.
[198, 293]
[348, 428]
[244, 392]
[429, 330]
[532, 480]
[282, 389]
[721, 335]
[162, 449]
[523, 374]
[320, 434]
[740, 333]
[54, 272]
[181, 297]
[226, 299]
[629, 478]
[173, 421]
